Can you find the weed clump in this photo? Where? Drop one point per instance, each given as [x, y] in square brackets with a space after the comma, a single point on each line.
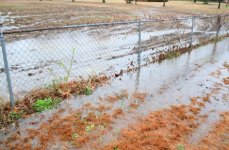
[88, 90]
[172, 54]
[44, 104]
[13, 115]
[90, 127]
[180, 147]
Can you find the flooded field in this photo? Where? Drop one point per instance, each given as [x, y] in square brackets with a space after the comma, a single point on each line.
[124, 77]
[187, 96]
[36, 62]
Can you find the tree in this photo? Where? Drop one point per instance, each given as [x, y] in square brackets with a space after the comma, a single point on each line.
[220, 1]
[227, 3]
[205, 1]
[219, 4]
[164, 3]
[194, 1]
[104, 1]
[135, 2]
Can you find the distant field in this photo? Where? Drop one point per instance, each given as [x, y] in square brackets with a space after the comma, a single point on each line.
[180, 6]
[35, 13]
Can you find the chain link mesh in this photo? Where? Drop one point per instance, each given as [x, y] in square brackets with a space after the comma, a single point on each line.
[38, 58]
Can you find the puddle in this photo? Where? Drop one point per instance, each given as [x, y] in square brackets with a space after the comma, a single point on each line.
[171, 82]
[97, 51]
[8, 20]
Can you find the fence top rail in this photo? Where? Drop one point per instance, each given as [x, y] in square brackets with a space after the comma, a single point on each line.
[106, 24]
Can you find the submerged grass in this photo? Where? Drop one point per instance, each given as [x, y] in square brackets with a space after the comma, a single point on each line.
[162, 129]
[46, 98]
[82, 87]
[166, 128]
[218, 138]
[172, 53]
[226, 65]
[75, 128]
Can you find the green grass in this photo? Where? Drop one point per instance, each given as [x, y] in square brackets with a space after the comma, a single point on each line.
[172, 54]
[180, 147]
[115, 148]
[15, 115]
[88, 90]
[90, 127]
[44, 104]
[75, 136]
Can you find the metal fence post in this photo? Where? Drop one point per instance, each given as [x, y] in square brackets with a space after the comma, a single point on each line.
[193, 22]
[139, 42]
[6, 66]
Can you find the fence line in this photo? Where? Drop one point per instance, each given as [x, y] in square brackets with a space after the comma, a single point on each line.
[129, 44]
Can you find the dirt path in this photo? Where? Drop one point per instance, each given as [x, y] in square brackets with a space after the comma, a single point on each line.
[135, 109]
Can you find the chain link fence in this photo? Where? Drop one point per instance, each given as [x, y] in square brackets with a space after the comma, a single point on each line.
[38, 57]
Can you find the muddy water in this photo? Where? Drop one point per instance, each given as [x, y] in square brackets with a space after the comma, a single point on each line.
[34, 62]
[171, 82]
[175, 81]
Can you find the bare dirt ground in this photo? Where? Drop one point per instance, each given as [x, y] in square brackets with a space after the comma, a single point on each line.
[40, 14]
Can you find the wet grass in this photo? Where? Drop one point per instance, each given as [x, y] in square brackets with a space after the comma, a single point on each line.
[226, 65]
[117, 96]
[65, 90]
[180, 147]
[159, 130]
[44, 104]
[171, 128]
[75, 128]
[163, 129]
[226, 80]
[218, 138]
[46, 98]
[172, 53]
